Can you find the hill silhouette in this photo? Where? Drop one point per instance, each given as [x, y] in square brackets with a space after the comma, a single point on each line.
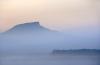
[30, 36]
[28, 28]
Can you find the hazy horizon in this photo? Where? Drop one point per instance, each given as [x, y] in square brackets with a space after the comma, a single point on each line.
[77, 19]
[68, 32]
[35, 36]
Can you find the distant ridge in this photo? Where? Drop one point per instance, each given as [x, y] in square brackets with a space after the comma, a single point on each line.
[77, 51]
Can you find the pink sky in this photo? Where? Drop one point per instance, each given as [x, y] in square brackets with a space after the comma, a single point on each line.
[53, 14]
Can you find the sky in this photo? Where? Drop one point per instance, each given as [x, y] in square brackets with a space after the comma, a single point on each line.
[53, 14]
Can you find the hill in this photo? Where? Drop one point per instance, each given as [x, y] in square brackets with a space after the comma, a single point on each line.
[30, 37]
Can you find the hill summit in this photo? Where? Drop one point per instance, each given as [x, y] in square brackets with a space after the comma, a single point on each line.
[27, 28]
